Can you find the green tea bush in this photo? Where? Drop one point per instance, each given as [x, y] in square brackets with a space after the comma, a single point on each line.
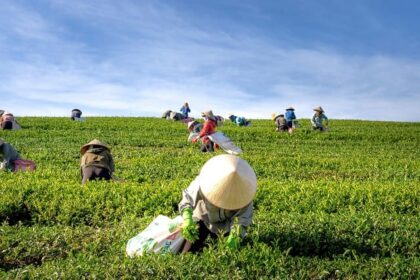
[337, 205]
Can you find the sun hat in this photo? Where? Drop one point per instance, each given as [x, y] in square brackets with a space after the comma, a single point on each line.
[228, 182]
[94, 142]
[319, 109]
[7, 113]
[290, 108]
[209, 114]
[191, 124]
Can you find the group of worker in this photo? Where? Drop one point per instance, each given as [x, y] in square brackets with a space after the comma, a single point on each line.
[287, 122]
[219, 201]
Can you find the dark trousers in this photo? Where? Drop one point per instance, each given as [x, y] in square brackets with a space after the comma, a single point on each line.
[94, 172]
[320, 128]
[7, 125]
[203, 233]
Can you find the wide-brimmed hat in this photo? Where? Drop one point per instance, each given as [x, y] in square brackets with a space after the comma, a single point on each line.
[94, 142]
[278, 116]
[228, 182]
[319, 109]
[7, 113]
[209, 114]
[290, 108]
[1, 142]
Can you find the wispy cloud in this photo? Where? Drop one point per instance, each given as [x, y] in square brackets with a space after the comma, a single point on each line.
[142, 59]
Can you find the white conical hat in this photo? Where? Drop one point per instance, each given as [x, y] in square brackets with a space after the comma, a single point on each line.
[228, 182]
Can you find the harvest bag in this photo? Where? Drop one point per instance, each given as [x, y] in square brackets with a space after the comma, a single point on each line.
[161, 236]
[225, 143]
[24, 165]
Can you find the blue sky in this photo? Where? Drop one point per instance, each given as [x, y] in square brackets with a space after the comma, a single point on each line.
[357, 59]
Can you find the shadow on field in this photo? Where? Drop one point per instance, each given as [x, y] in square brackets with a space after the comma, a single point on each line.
[320, 244]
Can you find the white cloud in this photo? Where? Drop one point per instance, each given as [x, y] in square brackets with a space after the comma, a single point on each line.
[153, 59]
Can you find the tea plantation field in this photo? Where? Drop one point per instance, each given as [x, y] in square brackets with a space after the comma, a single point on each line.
[338, 205]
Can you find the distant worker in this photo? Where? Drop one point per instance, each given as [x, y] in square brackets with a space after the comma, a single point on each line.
[281, 124]
[290, 119]
[8, 156]
[221, 194]
[8, 121]
[209, 128]
[96, 161]
[76, 115]
[185, 109]
[239, 121]
[194, 127]
[318, 119]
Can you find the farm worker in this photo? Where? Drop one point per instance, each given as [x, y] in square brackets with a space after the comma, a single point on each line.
[166, 114]
[194, 127]
[76, 115]
[290, 118]
[209, 128]
[280, 123]
[240, 121]
[96, 161]
[318, 119]
[175, 116]
[219, 195]
[8, 121]
[8, 155]
[185, 109]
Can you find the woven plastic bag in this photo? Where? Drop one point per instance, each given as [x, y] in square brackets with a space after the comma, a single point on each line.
[24, 165]
[225, 143]
[162, 235]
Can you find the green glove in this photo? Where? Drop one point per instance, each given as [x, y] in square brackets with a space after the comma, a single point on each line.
[233, 239]
[189, 228]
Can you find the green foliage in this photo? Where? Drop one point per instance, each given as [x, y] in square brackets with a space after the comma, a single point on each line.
[338, 205]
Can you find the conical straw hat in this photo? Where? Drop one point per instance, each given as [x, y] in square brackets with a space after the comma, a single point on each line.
[228, 182]
[319, 109]
[290, 108]
[94, 142]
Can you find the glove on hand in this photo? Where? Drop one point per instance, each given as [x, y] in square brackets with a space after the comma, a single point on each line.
[233, 239]
[189, 228]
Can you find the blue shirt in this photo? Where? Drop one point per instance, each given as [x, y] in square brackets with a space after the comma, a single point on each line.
[185, 110]
[289, 115]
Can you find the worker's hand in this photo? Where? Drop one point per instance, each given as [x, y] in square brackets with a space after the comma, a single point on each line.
[233, 241]
[2, 166]
[194, 140]
[189, 228]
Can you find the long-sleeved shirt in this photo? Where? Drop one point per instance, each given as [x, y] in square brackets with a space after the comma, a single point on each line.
[280, 122]
[185, 110]
[8, 155]
[208, 128]
[317, 120]
[216, 219]
[99, 157]
[289, 115]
